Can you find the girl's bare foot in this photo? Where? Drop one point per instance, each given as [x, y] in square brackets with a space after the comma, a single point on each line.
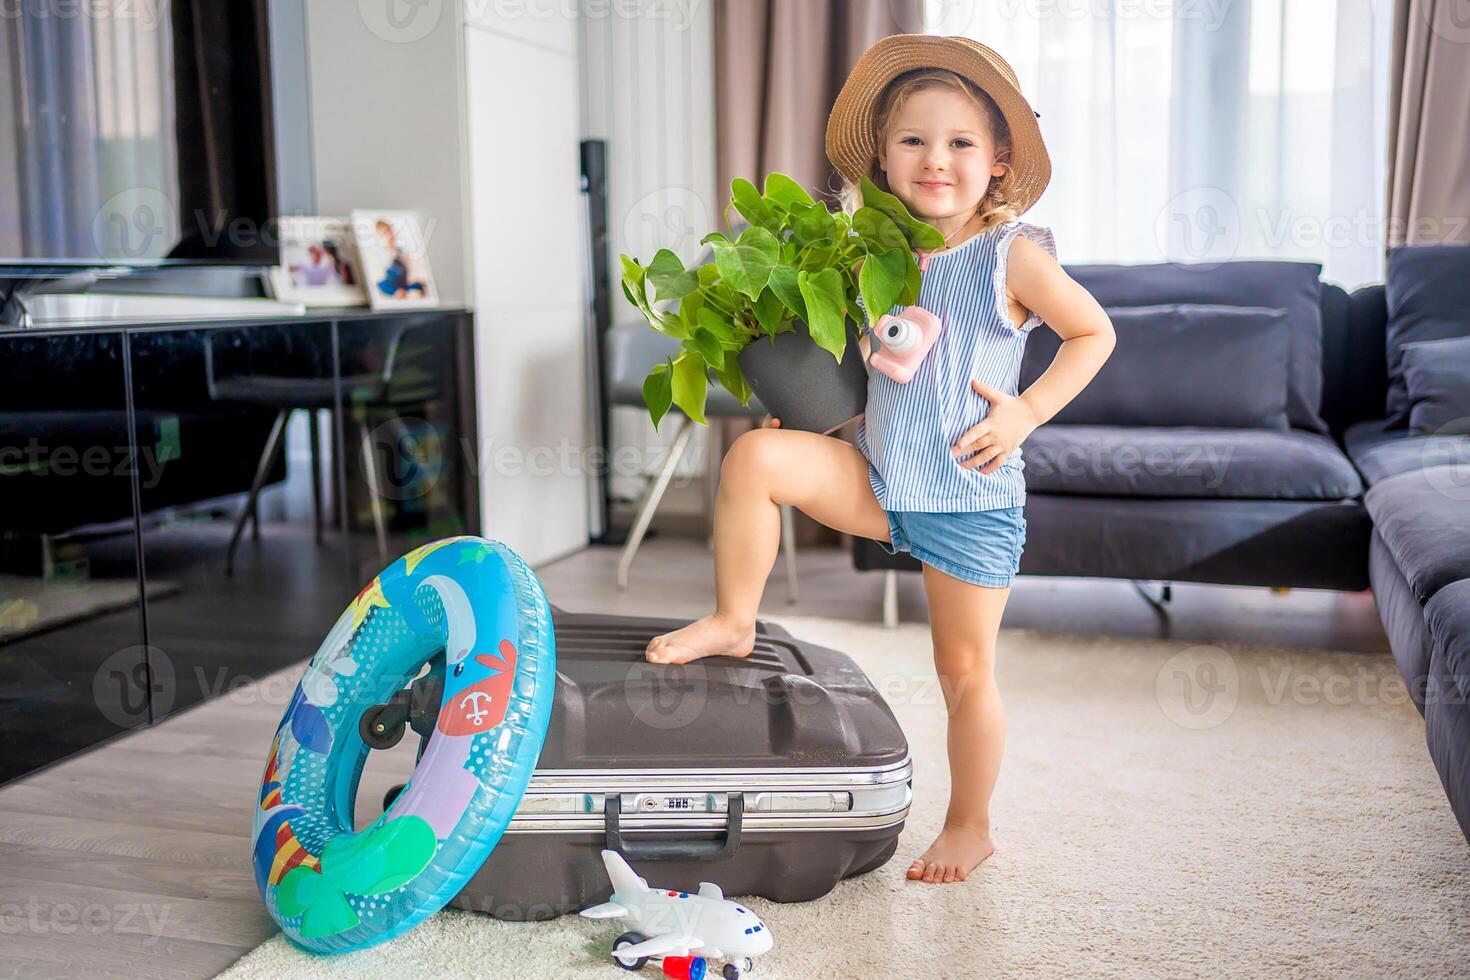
[708, 637]
[954, 854]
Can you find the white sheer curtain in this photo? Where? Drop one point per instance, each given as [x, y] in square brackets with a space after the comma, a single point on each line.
[1202, 130]
[88, 152]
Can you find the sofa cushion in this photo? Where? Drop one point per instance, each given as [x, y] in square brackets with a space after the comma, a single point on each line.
[1447, 731]
[1402, 615]
[1427, 288]
[1421, 517]
[1380, 451]
[1292, 286]
[1226, 367]
[1448, 617]
[1437, 379]
[1158, 461]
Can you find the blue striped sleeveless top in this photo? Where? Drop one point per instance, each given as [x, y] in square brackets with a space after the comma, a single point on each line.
[908, 429]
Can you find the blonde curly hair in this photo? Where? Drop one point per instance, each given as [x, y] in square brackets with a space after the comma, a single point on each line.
[993, 207]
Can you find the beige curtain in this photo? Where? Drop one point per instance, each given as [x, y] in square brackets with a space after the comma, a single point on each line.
[1429, 125]
[779, 65]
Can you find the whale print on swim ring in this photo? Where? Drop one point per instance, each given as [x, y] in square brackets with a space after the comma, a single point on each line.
[467, 607]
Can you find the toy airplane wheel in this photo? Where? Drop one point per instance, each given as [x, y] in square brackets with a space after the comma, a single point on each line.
[685, 967]
[625, 940]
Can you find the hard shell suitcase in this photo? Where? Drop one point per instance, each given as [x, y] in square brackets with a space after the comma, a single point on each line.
[775, 775]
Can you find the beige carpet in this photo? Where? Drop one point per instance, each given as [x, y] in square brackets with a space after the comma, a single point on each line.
[1278, 816]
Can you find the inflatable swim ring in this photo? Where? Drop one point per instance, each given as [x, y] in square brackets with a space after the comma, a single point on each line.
[333, 888]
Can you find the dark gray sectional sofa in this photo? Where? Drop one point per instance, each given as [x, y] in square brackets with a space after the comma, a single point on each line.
[1418, 495]
[1253, 427]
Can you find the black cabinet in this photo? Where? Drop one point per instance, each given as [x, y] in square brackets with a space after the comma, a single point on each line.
[73, 655]
[245, 481]
[407, 410]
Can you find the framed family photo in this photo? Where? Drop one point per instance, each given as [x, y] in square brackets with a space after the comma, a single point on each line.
[395, 259]
[317, 266]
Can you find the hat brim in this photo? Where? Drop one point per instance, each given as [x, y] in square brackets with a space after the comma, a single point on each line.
[849, 139]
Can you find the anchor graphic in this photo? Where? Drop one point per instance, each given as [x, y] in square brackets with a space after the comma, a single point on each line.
[476, 716]
[482, 705]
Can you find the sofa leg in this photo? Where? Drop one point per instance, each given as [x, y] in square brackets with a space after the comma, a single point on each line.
[890, 598]
[1165, 594]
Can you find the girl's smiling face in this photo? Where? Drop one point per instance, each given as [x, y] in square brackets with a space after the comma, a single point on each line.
[939, 156]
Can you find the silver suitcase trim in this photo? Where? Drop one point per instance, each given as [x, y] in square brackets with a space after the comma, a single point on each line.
[774, 800]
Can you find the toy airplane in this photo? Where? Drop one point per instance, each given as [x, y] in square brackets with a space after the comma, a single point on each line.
[683, 930]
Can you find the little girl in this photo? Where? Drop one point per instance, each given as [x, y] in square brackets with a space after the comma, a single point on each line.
[940, 123]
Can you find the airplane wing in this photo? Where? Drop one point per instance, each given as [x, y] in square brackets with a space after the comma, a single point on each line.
[661, 946]
[708, 889]
[607, 910]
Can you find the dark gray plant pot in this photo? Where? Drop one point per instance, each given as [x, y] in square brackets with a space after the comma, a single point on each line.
[803, 385]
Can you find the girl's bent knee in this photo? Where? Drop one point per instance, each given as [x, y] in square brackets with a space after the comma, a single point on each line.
[752, 454]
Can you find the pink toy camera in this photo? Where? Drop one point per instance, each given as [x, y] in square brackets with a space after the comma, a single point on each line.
[904, 341]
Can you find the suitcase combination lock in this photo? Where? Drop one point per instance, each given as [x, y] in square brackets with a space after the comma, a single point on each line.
[672, 803]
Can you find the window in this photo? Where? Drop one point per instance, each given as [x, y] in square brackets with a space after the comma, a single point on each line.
[1202, 130]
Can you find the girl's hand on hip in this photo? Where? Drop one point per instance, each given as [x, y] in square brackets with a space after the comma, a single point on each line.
[995, 437]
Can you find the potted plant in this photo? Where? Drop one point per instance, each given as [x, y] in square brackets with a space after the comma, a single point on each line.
[774, 312]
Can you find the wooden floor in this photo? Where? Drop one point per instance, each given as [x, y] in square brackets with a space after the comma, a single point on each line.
[132, 860]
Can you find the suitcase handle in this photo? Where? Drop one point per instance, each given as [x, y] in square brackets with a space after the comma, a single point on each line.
[674, 850]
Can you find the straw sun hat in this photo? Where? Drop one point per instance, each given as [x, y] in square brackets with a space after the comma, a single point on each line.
[850, 127]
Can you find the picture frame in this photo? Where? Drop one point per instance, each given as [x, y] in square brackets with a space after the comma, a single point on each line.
[394, 259]
[318, 264]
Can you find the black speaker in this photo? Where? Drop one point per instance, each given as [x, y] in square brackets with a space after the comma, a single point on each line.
[599, 321]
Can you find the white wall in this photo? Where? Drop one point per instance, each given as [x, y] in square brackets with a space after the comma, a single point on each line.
[469, 115]
[527, 273]
[649, 91]
[387, 117]
[473, 116]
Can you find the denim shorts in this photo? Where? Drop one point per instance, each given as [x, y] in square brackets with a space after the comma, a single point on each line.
[982, 547]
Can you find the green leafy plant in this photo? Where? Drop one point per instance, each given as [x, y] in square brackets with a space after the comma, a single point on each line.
[797, 260]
